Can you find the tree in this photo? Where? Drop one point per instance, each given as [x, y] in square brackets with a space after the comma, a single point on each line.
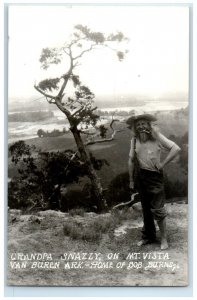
[41, 133]
[78, 109]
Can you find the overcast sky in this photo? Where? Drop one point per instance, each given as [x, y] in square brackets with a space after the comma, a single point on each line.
[156, 65]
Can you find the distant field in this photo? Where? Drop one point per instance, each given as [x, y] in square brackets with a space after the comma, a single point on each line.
[53, 143]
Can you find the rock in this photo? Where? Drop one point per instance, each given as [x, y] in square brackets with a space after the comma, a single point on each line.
[15, 211]
[90, 214]
[137, 206]
[123, 229]
[106, 215]
[80, 220]
[120, 230]
[51, 213]
[31, 218]
[14, 219]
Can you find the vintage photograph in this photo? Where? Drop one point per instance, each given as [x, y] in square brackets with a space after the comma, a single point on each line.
[98, 112]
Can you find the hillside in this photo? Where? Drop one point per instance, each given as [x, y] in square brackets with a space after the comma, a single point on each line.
[58, 233]
[116, 152]
[45, 232]
[114, 175]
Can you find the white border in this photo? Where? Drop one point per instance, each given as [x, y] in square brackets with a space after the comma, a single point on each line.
[110, 293]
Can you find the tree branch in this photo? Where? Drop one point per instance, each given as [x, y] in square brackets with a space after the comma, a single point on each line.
[114, 132]
[62, 108]
[43, 93]
[87, 133]
[128, 203]
[111, 124]
[101, 141]
[77, 111]
[77, 64]
[65, 51]
[84, 51]
[82, 108]
[77, 41]
[66, 77]
[50, 101]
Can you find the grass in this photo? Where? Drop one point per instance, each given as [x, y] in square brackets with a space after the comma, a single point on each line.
[78, 232]
[92, 231]
[77, 212]
[53, 143]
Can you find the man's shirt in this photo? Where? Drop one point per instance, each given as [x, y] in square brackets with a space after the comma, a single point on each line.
[149, 153]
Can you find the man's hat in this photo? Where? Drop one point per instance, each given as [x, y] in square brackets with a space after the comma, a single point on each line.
[133, 119]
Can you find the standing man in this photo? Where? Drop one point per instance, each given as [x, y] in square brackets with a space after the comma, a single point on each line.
[146, 147]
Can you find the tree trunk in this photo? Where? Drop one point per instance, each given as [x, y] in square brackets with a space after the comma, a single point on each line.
[96, 184]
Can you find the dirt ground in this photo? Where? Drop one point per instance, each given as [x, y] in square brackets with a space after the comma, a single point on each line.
[113, 260]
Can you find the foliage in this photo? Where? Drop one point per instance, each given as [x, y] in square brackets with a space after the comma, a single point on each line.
[50, 56]
[182, 141]
[77, 211]
[93, 231]
[103, 131]
[83, 40]
[76, 232]
[104, 225]
[98, 163]
[175, 188]
[42, 174]
[18, 193]
[41, 133]
[118, 189]
[76, 199]
[20, 150]
[49, 84]
[53, 133]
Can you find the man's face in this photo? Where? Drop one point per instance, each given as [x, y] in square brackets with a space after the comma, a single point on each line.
[142, 126]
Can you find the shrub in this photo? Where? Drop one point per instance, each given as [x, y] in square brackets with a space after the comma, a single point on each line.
[103, 225]
[118, 189]
[78, 232]
[90, 235]
[77, 211]
[44, 174]
[76, 198]
[175, 188]
[123, 215]
[93, 231]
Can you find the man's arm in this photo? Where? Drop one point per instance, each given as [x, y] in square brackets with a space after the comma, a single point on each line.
[172, 147]
[171, 155]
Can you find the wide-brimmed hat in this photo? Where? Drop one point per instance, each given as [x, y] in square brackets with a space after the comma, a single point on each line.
[133, 119]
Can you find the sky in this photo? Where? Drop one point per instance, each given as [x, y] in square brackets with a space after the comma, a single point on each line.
[156, 66]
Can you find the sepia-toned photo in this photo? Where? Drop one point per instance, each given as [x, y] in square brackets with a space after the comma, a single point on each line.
[98, 102]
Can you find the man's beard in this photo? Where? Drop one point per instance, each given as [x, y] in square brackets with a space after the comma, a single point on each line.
[144, 135]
